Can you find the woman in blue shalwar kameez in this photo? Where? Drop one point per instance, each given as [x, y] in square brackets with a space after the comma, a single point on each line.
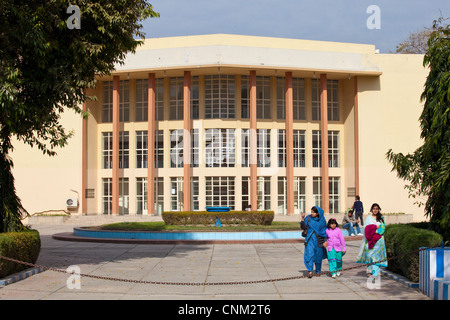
[315, 240]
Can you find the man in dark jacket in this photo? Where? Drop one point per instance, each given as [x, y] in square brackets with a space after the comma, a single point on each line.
[358, 209]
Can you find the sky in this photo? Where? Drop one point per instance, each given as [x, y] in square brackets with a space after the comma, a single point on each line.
[354, 21]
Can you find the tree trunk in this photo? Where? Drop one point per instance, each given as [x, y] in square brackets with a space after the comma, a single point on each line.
[11, 210]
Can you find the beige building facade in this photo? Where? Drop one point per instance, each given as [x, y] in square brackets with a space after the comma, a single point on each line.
[236, 121]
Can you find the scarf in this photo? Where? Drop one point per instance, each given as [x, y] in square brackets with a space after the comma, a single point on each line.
[318, 224]
[371, 235]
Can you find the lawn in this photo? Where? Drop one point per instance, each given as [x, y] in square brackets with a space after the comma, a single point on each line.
[161, 226]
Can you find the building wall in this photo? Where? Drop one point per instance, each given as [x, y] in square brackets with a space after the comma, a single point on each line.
[389, 111]
[44, 183]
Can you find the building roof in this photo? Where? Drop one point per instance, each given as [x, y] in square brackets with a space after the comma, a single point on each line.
[203, 52]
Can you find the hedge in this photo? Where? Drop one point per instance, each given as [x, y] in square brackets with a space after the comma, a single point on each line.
[23, 246]
[434, 226]
[209, 218]
[404, 238]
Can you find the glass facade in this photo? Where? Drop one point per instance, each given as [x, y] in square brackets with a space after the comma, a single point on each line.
[220, 144]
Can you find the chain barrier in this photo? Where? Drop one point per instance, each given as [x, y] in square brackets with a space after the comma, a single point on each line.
[205, 283]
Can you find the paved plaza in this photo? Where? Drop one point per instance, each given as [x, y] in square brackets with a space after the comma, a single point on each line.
[203, 263]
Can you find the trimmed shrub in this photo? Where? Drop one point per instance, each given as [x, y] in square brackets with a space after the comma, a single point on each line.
[436, 227]
[23, 246]
[209, 218]
[403, 238]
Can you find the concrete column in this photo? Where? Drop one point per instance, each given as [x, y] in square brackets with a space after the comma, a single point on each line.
[187, 141]
[356, 135]
[84, 162]
[253, 143]
[324, 137]
[289, 145]
[115, 160]
[151, 145]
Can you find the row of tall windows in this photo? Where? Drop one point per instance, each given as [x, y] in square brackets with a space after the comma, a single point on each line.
[220, 98]
[220, 148]
[220, 191]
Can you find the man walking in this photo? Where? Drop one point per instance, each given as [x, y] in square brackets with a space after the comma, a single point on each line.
[358, 209]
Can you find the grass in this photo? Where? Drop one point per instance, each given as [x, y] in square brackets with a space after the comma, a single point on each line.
[161, 226]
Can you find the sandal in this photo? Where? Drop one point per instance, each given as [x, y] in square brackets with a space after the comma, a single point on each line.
[310, 275]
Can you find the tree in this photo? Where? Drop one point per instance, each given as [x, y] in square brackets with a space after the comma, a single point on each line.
[428, 168]
[45, 67]
[417, 42]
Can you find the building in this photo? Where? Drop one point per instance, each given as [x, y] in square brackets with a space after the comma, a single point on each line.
[236, 121]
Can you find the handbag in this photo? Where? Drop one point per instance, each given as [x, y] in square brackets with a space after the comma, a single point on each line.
[320, 240]
[305, 232]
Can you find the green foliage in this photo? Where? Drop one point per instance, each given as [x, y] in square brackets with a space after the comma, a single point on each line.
[23, 246]
[428, 168]
[209, 218]
[434, 226]
[404, 238]
[45, 68]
